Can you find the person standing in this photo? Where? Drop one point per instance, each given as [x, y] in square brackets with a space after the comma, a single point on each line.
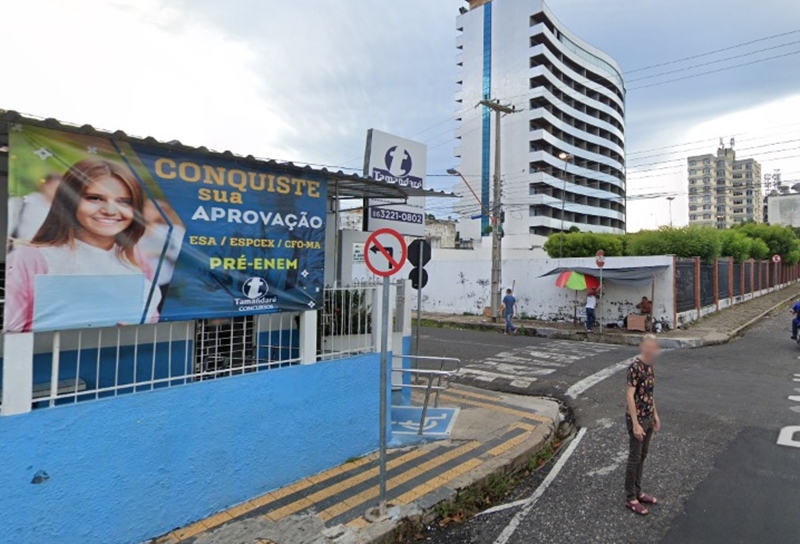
[509, 309]
[591, 304]
[795, 319]
[642, 420]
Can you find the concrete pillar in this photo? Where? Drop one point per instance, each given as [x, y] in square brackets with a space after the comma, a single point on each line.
[17, 373]
[308, 337]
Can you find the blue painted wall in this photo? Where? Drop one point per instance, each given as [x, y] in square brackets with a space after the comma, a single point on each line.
[126, 469]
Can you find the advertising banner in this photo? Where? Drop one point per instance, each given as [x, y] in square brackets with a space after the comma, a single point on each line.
[396, 161]
[105, 232]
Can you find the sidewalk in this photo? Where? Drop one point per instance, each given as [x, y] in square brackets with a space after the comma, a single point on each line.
[493, 433]
[716, 328]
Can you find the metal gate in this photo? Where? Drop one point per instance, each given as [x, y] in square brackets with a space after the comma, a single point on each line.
[224, 346]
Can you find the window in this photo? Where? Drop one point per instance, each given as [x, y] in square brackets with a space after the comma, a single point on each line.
[720, 209]
[737, 176]
[749, 175]
[692, 181]
[720, 182]
[720, 164]
[692, 163]
[692, 172]
[706, 216]
[706, 161]
[721, 173]
[692, 208]
[693, 217]
[692, 191]
[706, 207]
[692, 199]
[706, 170]
[707, 198]
[706, 180]
[748, 166]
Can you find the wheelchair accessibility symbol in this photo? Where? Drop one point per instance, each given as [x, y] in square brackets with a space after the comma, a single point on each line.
[438, 421]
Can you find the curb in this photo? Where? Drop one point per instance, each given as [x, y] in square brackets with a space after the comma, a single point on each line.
[739, 330]
[403, 523]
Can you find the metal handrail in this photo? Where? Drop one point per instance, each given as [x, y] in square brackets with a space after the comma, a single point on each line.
[441, 377]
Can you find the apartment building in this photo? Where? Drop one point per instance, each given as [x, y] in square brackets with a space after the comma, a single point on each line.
[724, 190]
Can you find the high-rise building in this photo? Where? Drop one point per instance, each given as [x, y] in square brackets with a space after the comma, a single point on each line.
[724, 190]
[563, 151]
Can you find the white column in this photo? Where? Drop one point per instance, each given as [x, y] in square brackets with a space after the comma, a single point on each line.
[308, 338]
[17, 373]
[377, 317]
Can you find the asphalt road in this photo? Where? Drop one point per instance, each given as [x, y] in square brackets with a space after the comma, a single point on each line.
[716, 466]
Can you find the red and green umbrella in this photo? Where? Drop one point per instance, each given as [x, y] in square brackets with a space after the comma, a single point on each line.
[577, 281]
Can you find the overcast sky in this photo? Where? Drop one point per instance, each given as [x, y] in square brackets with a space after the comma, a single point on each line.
[304, 80]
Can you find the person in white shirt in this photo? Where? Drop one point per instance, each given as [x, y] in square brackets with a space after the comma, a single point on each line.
[26, 214]
[92, 229]
[591, 304]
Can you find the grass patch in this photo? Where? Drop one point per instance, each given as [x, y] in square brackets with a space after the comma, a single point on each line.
[475, 498]
[542, 456]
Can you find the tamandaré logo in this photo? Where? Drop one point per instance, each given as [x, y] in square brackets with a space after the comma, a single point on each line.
[399, 163]
[255, 287]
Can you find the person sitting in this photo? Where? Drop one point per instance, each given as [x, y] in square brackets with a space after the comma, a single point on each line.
[645, 306]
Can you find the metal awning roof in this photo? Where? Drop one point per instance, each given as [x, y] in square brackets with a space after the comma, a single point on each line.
[634, 276]
[340, 184]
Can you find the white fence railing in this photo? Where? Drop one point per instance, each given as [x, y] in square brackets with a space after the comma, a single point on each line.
[77, 365]
[347, 321]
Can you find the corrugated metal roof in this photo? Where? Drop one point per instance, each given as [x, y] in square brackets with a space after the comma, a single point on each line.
[340, 183]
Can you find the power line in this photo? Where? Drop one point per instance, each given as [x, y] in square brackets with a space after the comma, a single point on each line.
[736, 46]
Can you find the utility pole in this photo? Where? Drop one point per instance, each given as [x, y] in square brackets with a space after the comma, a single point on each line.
[497, 241]
[670, 198]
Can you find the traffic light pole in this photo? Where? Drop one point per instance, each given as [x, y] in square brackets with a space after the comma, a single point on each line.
[497, 240]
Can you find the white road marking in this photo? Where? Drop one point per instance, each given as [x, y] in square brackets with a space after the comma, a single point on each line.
[786, 437]
[522, 366]
[590, 381]
[795, 409]
[616, 462]
[794, 398]
[530, 502]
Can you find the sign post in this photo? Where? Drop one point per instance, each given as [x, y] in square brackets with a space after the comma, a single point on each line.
[385, 253]
[600, 259]
[419, 254]
[777, 260]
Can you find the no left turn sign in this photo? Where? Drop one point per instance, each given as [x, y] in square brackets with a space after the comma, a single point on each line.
[385, 252]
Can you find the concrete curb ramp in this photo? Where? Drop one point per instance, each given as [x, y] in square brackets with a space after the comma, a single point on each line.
[494, 433]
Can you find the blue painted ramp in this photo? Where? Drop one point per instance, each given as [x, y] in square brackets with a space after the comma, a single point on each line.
[438, 421]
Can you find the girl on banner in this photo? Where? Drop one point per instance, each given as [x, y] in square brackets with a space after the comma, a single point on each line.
[92, 229]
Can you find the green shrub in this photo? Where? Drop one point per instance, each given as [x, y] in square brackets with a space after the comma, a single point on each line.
[584, 244]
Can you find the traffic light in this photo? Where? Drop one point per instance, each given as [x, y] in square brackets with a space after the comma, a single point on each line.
[419, 254]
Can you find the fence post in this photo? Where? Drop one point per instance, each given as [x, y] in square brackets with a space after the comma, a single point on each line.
[741, 280]
[674, 292]
[752, 278]
[716, 283]
[697, 279]
[730, 280]
[17, 373]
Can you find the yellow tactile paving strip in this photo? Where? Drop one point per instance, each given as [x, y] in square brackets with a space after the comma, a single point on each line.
[363, 498]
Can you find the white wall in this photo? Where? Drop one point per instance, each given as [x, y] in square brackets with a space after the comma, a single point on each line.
[460, 284]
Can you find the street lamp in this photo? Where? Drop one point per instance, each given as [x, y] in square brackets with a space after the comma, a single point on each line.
[566, 157]
[670, 198]
[454, 172]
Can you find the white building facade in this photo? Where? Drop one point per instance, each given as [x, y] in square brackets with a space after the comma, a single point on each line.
[563, 151]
